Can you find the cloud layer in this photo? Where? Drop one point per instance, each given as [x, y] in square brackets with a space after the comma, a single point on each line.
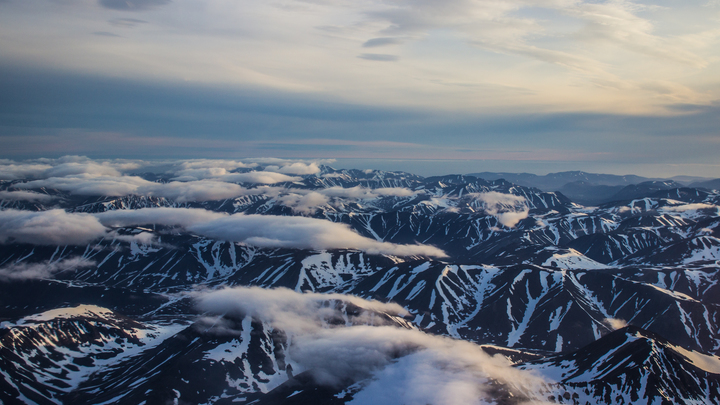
[57, 227]
[404, 365]
[302, 233]
[53, 227]
[25, 196]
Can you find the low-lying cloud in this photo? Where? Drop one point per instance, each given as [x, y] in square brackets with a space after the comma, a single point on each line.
[31, 271]
[25, 196]
[90, 185]
[295, 312]
[302, 233]
[306, 204]
[394, 364]
[307, 201]
[259, 177]
[616, 323]
[359, 192]
[57, 227]
[509, 209]
[53, 227]
[119, 186]
[193, 190]
[14, 171]
[298, 168]
[184, 217]
[264, 230]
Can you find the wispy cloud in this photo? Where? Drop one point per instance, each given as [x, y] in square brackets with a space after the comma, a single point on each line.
[132, 5]
[106, 34]
[30, 271]
[379, 57]
[378, 42]
[25, 196]
[507, 208]
[126, 22]
[398, 365]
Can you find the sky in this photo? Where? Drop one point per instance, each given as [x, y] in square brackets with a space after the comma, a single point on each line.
[430, 87]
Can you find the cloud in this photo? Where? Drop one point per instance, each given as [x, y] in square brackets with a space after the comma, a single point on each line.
[394, 191]
[53, 227]
[222, 174]
[205, 190]
[359, 192]
[16, 171]
[616, 323]
[143, 238]
[356, 192]
[132, 5]
[214, 167]
[25, 196]
[199, 173]
[78, 168]
[29, 271]
[183, 217]
[264, 230]
[202, 180]
[306, 204]
[106, 34]
[126, 22]
[295, 168]
[306, 201]
[117, 186]
[393, 364]
[259, 177]
[64, 166]
[302, 233]
[292, 311]
[91, 185]
[208, 163]
[690, 207]
[377, 42]
[617, 22]
[509, 209]
[510, 219]
[379, 57]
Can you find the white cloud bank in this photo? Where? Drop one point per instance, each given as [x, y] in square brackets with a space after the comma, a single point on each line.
[395, 365]
[53, 227]
[191, 181]
[302, 233]
[25, 196]
[180, 191]
[295, 168]
[184, 217]
[57, 227]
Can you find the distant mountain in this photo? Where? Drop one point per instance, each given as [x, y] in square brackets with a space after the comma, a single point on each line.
[708, 184]
[554, 181]
[643, 189]
[592, 189]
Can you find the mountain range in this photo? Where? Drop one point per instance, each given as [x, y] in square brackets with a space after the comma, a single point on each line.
[295, 283]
